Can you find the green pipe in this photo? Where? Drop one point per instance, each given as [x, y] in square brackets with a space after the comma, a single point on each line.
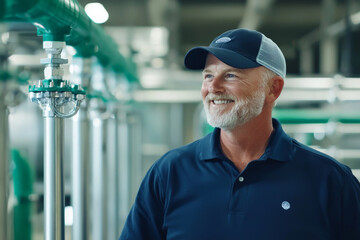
[295, 116]
[23, 188]
[2, 9]
[66, 20]
[4, 75]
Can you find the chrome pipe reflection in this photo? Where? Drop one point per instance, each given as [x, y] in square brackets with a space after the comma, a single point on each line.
[4, 163]
[112, 178]
[98, 174]
[81, 74]
[80, 179]
[53, 178]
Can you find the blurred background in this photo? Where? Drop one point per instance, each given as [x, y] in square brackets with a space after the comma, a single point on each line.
[92, 93]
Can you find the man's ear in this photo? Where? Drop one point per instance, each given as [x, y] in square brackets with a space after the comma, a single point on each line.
[275, 87]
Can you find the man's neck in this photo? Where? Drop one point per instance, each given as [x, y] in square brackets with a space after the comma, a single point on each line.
[246, 143]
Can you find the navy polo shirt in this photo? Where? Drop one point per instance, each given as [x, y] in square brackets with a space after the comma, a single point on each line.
[291, 192]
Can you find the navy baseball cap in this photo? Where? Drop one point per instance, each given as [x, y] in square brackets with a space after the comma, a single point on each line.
[240, 48]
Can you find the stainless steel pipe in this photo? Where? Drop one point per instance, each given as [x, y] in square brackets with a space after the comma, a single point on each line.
[80, 179]
[124, 187]
[98, 170]
[4, 163]
[112, 179]
[53, 178]
[53, 95]
[81, 74]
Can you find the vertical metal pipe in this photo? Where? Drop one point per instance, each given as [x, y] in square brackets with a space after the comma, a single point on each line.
[346, 53]
[124, 167]
[328, 44]
[306, 60]
[176, 138]
[53, 178]
[81, 73]
[4, 161]
[112, 179]
[80, 190]
[99, 188]
[136, 159]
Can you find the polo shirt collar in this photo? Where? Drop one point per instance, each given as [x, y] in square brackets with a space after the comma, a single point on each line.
[279, 147]
[210, 147]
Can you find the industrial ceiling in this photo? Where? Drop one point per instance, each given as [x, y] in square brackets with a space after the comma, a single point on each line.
[197, 22]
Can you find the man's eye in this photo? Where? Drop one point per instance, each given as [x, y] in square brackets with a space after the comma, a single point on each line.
[230, 75]
[207, 76]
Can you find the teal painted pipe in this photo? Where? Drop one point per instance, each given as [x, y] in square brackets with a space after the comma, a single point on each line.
[23, 188]
[66, 20]
[296, 116]
[2, 9]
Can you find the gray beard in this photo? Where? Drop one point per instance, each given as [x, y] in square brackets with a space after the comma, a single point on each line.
[243, 110]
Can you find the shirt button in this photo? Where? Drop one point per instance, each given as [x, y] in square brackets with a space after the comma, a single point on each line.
[241, 179]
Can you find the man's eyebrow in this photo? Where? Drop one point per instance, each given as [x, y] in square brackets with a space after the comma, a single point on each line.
[225, 70]
[206, 71]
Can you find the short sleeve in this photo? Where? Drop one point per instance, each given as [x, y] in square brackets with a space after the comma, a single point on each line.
[351, 209]
[146, 217]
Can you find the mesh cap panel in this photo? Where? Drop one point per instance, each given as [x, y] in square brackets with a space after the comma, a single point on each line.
[270, 56]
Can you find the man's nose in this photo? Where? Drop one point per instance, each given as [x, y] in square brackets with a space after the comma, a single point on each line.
[216, 85]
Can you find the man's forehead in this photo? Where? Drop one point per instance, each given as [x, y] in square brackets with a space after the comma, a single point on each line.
[214, 64]
[211, 61]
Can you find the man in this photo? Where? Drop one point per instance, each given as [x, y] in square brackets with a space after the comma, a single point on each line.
[247, 179]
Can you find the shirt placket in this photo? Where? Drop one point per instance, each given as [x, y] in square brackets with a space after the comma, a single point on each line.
[239, 195]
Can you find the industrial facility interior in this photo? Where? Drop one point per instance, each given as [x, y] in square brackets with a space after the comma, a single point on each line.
[86, 107]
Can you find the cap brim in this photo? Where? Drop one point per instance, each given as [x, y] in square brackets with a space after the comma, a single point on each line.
[196, 58]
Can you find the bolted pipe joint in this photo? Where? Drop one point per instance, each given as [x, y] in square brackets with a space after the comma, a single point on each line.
[53, 61]
[54, 95]
[54, 47]
[51, 72]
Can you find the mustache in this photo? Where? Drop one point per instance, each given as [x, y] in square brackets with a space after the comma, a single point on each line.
[213, 96]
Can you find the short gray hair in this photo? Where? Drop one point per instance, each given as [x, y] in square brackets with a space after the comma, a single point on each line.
[266, 75]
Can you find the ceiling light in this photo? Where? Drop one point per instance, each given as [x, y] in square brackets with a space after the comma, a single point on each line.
[355, 18]
[97, 12]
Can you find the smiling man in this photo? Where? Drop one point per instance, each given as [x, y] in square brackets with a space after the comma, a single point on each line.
[247, 179]
[216, 102]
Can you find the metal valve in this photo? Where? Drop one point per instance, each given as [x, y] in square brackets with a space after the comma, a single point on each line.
[53, 94]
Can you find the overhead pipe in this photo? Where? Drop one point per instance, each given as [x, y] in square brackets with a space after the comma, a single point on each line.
[330, 31]
[2, 9]
[333, 30]
[70, 20]
[65, 14]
